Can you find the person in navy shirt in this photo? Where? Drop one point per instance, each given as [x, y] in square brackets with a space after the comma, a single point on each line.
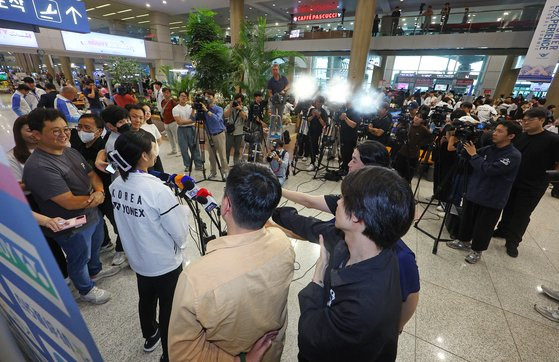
[494, 169]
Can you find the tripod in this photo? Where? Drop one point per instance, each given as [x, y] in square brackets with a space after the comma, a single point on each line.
[328, 143]
[458, 168]
[301, 136]
[253, 138]
[200, 137]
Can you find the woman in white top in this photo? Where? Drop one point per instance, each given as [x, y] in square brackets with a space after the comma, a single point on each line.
[153, 228]
[138, 117]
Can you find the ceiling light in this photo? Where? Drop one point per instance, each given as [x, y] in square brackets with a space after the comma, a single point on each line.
[273, 4]
[164, 2]
[277, 24]
[228, 28]
[109, 14]
[128, 18]
[148, 6]
[352, 23]
[123, 11]
[141, 16]
[88, 18]
[505, 13]
[102, 6]
[175, 27]
[498, 19]
[249, 8]
[90, 9]
[142, 22]
[175, 22]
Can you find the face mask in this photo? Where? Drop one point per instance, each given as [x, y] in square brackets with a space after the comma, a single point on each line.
[124, 128]
[86, 136]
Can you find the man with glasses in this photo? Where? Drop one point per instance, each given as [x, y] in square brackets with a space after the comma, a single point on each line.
[540, 152]
[64, 185]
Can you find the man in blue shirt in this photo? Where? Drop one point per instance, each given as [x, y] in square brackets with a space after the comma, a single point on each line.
[215, 128]
[64, 105]
[19, 104]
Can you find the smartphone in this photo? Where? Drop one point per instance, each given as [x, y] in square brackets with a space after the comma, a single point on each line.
[110, 169]
[75, 222]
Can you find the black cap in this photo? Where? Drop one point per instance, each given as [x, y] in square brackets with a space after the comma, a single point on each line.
[28, 80]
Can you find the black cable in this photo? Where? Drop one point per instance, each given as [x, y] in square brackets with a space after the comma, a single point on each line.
[305, 273]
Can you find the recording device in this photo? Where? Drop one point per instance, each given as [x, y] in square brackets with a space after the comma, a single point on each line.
[438, 115]
[199, 101]
[75, 222]
[278, 98]
[180, 181]
[465, 131]
[110, 169]
[235, 104]
[204, 197]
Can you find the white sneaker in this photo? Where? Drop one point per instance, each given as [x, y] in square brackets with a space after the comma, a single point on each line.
[303, 159]
[106, 272]
[310, 167]
[118, 258]
[440, 208]
[96, 296]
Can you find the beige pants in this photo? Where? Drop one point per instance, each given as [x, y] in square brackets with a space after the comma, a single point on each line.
[219, 145]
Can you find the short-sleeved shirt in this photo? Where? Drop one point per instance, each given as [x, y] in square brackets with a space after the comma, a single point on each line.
[183, 112]
[122, 101]
[236, 119]
[95, 102]
[540, 152]
[347, 132]
[277, 86]
[90, 153]
[167, 110]
[384, 123]
[47, 175]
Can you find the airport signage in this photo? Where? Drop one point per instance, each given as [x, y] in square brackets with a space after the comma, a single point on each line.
[464, 82]
[543, 52]
[317, 16]
[56, 14]
[34, 299]
[104, 44]
[18, 38]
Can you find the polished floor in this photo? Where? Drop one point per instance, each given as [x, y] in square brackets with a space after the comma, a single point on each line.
[482, 312]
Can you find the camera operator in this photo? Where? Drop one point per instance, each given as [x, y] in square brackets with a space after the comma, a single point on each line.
[254, 131]
[349, 121]
[213, 115]
[379, 129]
[278, 159]
[317, 119]
[494, 169]
[465, 109]
[418, 136]
[302, 126]
[235, 114]
[540, 152]
[277, 84]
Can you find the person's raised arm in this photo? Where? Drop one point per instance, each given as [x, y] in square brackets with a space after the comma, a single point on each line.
[310, 201]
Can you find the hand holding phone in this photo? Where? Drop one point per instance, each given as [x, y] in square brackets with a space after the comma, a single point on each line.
[75, 222]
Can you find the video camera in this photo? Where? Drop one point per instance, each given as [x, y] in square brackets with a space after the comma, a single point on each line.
[272, 154]
[278, 98]
[438, 115]
[465, 131]
[199, 101]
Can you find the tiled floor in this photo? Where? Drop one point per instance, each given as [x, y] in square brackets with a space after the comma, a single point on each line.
[481, 312]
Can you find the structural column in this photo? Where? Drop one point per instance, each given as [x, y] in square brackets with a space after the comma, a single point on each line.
[50, 66]
[553, 94]
[378, 73]
[159, 24]
[507, 79]
[361, 41]
[22, 62]
[237, 15]
[89, 66]
[66, 68]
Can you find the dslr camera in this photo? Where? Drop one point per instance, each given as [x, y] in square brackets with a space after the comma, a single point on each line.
[466, 132]
[200, 100]
[278, 98]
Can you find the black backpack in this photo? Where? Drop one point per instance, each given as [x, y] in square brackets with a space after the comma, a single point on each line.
[287, 170]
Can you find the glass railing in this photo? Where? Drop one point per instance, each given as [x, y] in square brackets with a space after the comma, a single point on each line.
[518, 19]
[119, 28]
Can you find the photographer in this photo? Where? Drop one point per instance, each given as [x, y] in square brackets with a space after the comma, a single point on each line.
[317, 119]
[302, 127]
[154, 230]
[494, 170]
[216, 129]
[254, 130]
[349, 121]
[379, 129]
[277, 84]
[278, 159]
[418, 136]
[235, 115]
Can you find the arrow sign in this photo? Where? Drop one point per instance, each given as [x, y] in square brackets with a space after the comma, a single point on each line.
[74, 13]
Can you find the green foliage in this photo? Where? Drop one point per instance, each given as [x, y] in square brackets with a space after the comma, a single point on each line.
[177, 82]
[201, 29]
[251, 61]
[213, 66]
[123, 70]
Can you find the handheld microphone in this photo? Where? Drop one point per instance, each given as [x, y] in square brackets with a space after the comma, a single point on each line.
[190, 188]
[206, 199]
[165, 177]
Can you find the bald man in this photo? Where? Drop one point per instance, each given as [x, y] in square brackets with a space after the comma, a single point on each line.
[64, 104]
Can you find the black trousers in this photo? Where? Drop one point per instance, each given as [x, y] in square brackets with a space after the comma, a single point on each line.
[314, 136]
[346, 149]
[406, 166]
[304, 145]
[107, 210]
[150, 290]
[516, 214]
[477, 224]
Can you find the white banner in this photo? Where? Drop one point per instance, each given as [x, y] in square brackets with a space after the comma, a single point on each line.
[104, 44]
[543, 53]
[18, 38]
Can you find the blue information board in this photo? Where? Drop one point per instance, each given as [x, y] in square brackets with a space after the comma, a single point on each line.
[34, 299]
[57, 14]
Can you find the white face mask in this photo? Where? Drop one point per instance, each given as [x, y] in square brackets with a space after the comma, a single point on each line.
[86, 136]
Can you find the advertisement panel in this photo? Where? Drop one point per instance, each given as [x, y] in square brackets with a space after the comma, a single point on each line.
[104, 44]
[34, 299]
[18, 38]
[543, 52]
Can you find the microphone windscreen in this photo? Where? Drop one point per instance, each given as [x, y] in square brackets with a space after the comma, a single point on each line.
[177, 179]
[203, 192]
[188, 185]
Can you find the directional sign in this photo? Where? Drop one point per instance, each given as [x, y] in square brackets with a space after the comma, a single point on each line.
[58, 14]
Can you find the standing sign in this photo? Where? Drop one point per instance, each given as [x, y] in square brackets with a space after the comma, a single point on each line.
[57, 14]
[34, 298]
[543, 53]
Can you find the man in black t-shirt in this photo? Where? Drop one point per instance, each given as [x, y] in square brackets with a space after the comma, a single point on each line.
[277, 84]
[540, 152]
[317, 119]
[379, 129]
[349, 121]
[92, 94]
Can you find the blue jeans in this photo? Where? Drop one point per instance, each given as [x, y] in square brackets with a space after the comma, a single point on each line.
[188, 142]
[82, 252]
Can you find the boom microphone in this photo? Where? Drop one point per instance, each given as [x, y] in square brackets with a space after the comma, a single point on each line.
[204, 197]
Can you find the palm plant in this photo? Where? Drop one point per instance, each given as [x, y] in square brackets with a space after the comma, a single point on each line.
[177, 82]
[251, 60]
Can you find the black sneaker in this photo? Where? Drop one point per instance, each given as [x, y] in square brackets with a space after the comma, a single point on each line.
[512, 251]
[152, 342]
[163, 358]
[498, 234]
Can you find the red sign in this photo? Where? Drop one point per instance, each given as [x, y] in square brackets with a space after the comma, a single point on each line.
[314, 16]
[464, 82]
[486, 92]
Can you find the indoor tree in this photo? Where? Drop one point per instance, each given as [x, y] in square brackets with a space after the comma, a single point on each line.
[124, 70]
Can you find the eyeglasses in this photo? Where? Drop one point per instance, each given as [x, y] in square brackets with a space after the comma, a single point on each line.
[57, 131]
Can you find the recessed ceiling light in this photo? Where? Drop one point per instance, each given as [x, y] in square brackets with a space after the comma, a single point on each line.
[175, 22]
[148, 6]
[88, 18]
[142, 22]
[164, 2]
[273, 4]
[102, 6]
[123, 11]
[277, 24]
[109, 14]
[128, 18]
[141, 16]
[90, 9]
